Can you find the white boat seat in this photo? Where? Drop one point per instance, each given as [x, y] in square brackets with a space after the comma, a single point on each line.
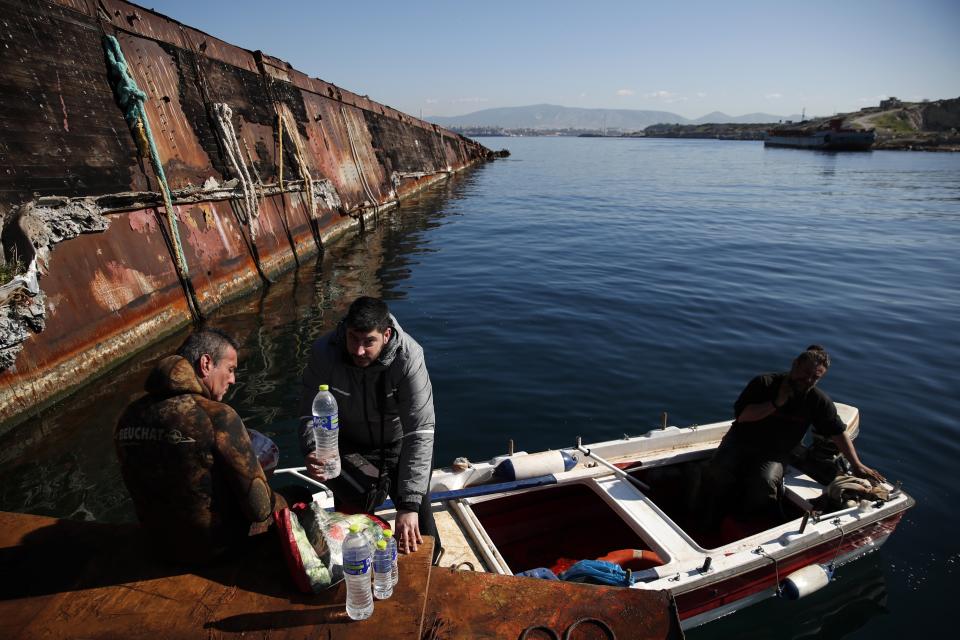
[801, 488]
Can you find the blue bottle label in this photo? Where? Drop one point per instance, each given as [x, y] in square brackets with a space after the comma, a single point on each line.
[356, 566]
[383, 563]
[327, 423]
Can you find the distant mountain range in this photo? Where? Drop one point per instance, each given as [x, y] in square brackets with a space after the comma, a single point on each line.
[550, 116]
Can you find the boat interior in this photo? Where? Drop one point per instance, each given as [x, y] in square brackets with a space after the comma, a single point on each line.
[556, 525]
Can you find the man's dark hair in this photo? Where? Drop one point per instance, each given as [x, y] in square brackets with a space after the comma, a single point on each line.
[209, 340]
[368, 314]
[816, 355]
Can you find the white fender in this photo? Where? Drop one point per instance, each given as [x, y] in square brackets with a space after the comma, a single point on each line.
[803, 582]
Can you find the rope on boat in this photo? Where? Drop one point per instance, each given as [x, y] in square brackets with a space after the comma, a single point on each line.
[280, 138]
[313, 228]
[302, 166]
[250, 212]
[301, 157]
[831, 567]
[130, 99]
[776, 567]
[231, 143]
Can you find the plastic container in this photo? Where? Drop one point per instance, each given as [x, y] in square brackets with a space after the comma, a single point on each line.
[326, 431]
[356, 570]
[382, 571]
[392, 545]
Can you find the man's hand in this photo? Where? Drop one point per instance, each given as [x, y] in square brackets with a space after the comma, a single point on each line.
[406, 529]
[859, 469]
[863, 471]
[315, 467]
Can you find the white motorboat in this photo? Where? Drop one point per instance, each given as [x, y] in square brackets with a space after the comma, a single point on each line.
[633, 494]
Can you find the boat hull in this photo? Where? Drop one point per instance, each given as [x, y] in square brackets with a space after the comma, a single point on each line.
[718, 599]
[514, 527]
[824, 140]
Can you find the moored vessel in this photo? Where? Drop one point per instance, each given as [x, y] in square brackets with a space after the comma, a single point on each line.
[835, 137]
[642, 504]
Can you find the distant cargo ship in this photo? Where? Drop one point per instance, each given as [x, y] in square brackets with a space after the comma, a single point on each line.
[835, 138]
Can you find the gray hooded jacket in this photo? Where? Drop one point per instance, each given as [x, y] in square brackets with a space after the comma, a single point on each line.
[398, 381]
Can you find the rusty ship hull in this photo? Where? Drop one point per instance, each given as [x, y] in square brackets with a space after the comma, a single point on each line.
[263, 167]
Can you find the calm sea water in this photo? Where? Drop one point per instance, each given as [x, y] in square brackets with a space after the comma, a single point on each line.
[583, 286]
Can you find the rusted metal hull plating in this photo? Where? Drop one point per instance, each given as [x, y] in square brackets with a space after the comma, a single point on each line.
[252, 198]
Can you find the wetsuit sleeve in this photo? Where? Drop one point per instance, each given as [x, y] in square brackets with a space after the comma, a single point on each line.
[418, 420]
[241, 468]
[757, 390]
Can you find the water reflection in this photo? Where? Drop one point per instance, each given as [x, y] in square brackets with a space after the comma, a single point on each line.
[857, 596]
[61, 462]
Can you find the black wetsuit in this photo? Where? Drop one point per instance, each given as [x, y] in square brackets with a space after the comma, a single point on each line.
[187, 462]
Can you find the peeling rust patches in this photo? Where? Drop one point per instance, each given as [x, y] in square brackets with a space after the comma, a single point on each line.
[143, 222]
[77, 146]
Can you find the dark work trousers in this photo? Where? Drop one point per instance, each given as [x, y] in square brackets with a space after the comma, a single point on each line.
[739, 481]
[347, 498]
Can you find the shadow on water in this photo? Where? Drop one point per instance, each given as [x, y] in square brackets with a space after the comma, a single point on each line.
[61, 462]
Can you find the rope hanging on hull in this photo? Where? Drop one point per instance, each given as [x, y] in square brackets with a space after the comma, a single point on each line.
[130, 98]
[301, 160]
[231, 144]
[312, 217]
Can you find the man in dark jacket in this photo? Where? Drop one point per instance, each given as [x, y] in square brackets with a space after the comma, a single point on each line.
[379, 378]
[772, 415]
[186, 457]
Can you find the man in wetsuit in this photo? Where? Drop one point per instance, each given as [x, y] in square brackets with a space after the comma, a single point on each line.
[186, 457]
[379, 378]
[772, 414]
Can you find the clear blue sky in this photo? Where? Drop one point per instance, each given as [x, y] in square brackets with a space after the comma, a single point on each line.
[691, 58]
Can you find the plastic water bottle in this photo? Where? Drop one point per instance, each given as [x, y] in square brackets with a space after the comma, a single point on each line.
[356, 571]
[326, 431]
[382, 571]
[392, 546]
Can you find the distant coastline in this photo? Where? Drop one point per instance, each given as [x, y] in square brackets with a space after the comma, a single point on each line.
[916, 126]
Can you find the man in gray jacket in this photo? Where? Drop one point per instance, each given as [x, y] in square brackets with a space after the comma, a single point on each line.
[379, 378]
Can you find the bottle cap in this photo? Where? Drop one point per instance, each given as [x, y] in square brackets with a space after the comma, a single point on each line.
[381, 544]
[355, 528]
[324, 387]
[388, 533]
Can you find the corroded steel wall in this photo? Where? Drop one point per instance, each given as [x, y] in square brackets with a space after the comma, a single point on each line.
[62, 134]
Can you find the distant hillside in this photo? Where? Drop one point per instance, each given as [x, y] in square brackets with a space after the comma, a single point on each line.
[549, 116]
[930, 125]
